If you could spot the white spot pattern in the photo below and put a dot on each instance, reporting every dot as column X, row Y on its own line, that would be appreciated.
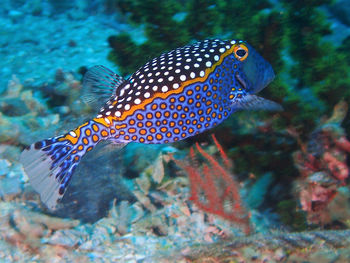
column 170, row 70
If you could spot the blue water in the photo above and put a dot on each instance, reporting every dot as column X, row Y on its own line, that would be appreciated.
column 288, row 171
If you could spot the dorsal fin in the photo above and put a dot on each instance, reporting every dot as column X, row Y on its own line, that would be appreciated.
column 98, row 85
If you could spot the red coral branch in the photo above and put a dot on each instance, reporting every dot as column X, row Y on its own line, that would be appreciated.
column 213, row 188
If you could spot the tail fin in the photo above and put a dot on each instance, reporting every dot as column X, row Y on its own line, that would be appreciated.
column 50, row 163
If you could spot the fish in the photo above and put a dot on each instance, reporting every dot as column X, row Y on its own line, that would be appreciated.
column 176, row 95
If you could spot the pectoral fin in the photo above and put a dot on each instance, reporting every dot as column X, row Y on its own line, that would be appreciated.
column 253, row 102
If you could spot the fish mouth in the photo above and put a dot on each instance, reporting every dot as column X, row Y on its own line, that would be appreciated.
column 241, row 81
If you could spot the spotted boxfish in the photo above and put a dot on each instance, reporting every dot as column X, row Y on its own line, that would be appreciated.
column 176, row 95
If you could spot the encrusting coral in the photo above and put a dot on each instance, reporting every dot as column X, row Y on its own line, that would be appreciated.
column 323, row 168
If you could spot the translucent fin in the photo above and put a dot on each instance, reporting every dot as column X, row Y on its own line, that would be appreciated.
column 253, row 102
column 49, row 166
column 50, row 163
column 98, row 85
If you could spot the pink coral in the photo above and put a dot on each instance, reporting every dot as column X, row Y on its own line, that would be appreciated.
column 322, row 165
column 213, row 188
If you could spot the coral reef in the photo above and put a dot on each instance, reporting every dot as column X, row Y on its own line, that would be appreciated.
column 323, row 170
column 190, row 201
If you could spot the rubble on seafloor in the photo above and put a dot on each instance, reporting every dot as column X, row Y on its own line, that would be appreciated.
column 136, row 206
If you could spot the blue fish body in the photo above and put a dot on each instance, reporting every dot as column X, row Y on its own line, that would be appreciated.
column 174, row 96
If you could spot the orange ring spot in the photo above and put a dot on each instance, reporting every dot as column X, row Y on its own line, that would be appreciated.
column 163, row 106
column 142, row 139
column 150, row 137
column 139, row 116
column 149, row 123
column 176, row 131
column 132, row 122
column 159, row 136
column 132, row 130
column 152, row 130
column 154, row 106
column 95, row 127
column 104, row 133
column 95, row 138
column 80, row 147
column 87, row 132
column 143, row 131
column 189, row 92
column 85, row 141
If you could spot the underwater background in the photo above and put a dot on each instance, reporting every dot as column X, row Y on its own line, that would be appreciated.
column 260, row 187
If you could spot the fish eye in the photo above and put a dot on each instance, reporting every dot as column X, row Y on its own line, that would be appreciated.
column 241, row 52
